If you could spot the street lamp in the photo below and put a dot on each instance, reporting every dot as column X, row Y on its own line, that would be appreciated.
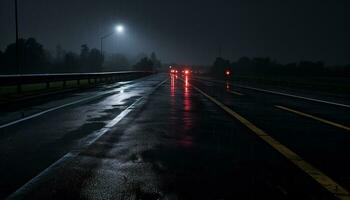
column 119, row 29
column 19, row 88
column 17, row 50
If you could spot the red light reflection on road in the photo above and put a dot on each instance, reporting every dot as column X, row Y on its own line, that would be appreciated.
column 186, row 140
column 228, row 86
column 183, row 123
column 187, row 101
column 172, row 85
column 186, row 85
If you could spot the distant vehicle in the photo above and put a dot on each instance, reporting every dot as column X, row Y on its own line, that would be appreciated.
column 228, row 73
column 173, row 70
column 186, row 72
column 180, row 70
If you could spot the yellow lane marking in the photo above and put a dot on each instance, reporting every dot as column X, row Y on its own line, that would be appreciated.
column 324, row 180
column 314, row 117
column 234, row 92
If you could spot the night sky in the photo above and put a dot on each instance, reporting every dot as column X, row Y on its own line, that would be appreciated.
column 191, row 32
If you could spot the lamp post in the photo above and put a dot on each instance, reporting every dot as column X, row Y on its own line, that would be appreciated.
column 18, row 69
column 119, row 29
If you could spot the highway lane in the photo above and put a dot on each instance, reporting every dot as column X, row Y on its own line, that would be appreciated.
column 338, row 97
column 177, row 144
column 61, row 125
column 325, row 110
column 12, row 113
column 322, row 144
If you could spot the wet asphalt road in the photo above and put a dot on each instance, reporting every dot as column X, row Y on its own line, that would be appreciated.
column 149, row 139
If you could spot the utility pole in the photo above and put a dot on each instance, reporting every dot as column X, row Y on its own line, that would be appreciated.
column 17, row 38
column 17, row 49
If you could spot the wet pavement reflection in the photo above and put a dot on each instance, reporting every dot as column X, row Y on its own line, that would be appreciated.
column 176, row 144
column 228, row 86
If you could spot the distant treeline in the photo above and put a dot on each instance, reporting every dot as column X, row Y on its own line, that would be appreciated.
column 34, row 58
column 267, row 67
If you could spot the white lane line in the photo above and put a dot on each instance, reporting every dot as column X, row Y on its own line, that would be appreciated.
column 294, row 96
column 50, row 110
column 98, row 134
column 313, row 117
column 281, row 93
column 62, row 106
column 58, row 107
column 19, row 193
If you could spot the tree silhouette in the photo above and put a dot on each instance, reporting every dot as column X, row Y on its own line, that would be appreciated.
column 219, row 67
column 60, row 53
column 156, row 62
column 95, row 60
column 84, row 61
column 144, row 64
column 90, row 60
column 71, row 62
column 32, row 57
column 115, row 61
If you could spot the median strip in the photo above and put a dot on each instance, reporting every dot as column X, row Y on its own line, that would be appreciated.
column 314, row 117
column 324, row 180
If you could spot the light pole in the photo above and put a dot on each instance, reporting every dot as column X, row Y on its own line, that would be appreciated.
column 119, row 29
column 16, row 21
column 18, row 69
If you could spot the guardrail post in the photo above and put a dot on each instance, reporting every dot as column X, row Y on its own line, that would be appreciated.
column 78, row 82
column 64, row 84
column 47, row 85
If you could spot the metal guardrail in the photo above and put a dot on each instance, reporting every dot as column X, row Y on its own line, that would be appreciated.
column 92, row 78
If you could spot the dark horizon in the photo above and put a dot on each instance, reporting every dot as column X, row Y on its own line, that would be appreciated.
column 189, row 31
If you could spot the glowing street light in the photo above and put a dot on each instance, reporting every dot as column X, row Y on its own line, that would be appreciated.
column 119, row 29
